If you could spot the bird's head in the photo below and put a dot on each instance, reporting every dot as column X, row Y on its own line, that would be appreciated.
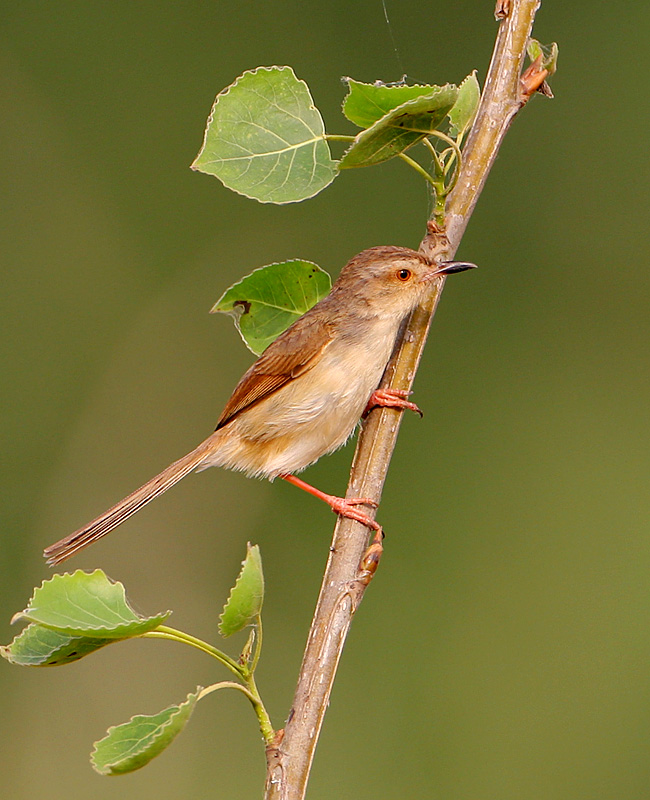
column 391, row 280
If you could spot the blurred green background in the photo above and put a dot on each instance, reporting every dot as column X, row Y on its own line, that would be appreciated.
column 503, row 652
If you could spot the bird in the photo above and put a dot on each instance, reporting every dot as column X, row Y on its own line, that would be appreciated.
column 305, row 394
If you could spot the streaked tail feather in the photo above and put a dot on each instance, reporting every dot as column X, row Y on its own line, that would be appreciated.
column 63, row 549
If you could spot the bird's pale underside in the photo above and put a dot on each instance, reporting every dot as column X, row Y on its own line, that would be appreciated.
column 304, row 395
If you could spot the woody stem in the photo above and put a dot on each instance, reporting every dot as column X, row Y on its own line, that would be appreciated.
column 289, row 761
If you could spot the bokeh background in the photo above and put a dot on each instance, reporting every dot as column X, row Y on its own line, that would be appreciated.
column 504, row 649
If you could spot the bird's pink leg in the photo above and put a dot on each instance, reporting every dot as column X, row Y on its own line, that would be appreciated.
column 390, row 398
column 346, row 507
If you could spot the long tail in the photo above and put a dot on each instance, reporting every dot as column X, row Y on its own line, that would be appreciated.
column 63, row 549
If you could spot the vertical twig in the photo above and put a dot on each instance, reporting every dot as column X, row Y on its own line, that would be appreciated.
column 347, row 574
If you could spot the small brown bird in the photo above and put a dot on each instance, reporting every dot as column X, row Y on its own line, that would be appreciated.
column 304, row 395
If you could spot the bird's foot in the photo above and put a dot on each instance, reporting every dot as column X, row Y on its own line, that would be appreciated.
column 345, row 506
column 348, row 507
column 391, row 398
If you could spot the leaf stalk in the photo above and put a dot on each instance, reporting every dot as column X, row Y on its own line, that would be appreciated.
column 245, row 673
column 173, row 635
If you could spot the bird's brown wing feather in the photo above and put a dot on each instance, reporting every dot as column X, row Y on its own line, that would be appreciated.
column 294, row 352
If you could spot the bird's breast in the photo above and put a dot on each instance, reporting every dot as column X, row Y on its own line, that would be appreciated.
column 313, row 414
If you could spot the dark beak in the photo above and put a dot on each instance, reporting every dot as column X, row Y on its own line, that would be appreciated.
column 449, row 267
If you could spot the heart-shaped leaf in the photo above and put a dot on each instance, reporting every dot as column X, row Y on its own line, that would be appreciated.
column 133, row 744
column 87, row 604
column 266, row 302
column 366, row 103
column 401, row 128
column 265, row 139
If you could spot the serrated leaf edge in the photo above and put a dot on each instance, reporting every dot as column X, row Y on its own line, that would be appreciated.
column 347, row 79
column 215, row 310
column 372, row 85
column 192, row 695
column 67, row 630
column 223, row 93
column 362, row 134
column 235, row 315
column 249, row 547
column 472, row 74
column 5, row 650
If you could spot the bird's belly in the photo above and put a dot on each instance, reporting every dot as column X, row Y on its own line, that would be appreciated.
column 312, row 415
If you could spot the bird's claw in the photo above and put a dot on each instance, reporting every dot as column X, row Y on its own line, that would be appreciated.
column 391, row 398
column 347, row 507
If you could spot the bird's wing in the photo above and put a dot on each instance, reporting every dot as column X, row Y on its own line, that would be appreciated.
column 294, row 352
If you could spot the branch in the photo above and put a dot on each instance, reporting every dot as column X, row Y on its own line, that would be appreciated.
column 348, row 570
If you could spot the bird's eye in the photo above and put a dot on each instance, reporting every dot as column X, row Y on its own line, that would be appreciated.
column 403, row 274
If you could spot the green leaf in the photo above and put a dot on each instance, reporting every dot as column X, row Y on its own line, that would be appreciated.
column 37, row 646
column 401, row 128
column 266, row 302
column 549, row 54
column 129, row 746
column 87, row 604
column 265, row 139
column 246, row 596
column 463, row 112
column 366, row 103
